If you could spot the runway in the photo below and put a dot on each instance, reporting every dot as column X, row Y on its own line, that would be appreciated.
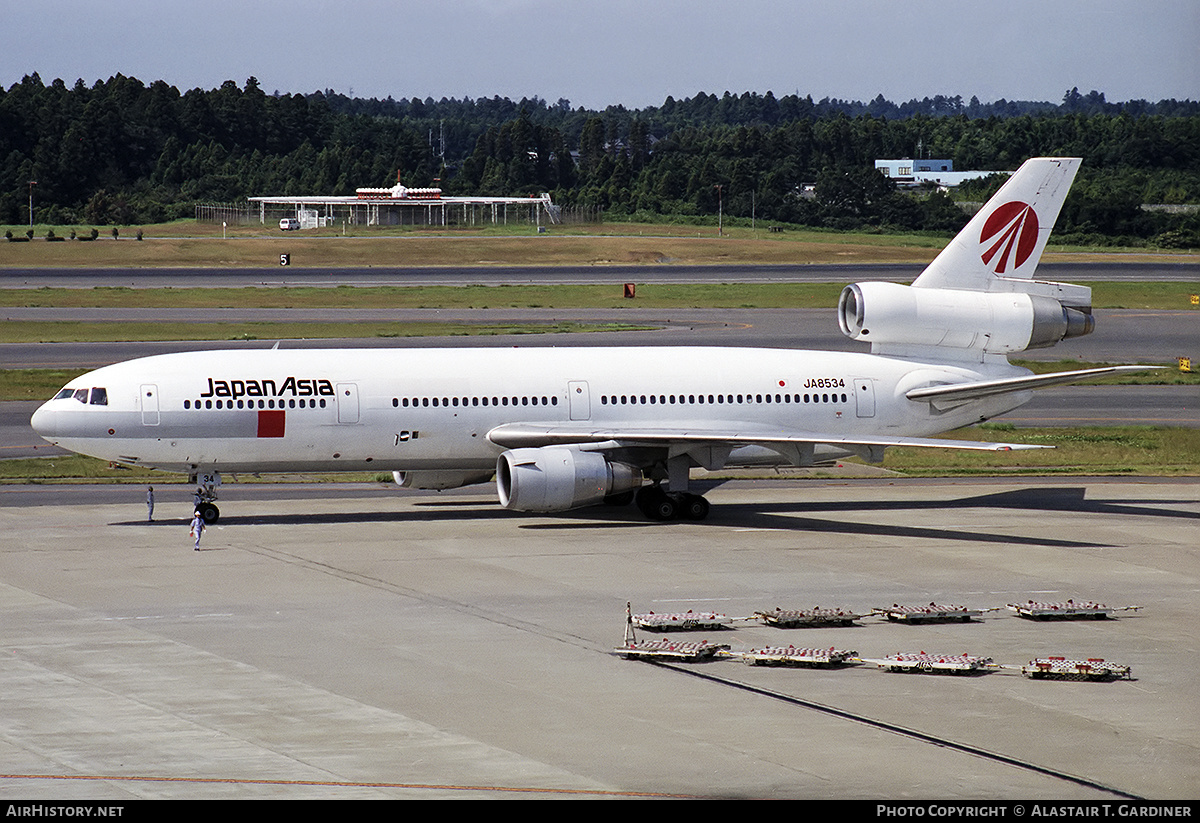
column 376, row 643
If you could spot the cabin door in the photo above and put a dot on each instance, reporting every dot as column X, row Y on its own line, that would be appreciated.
column 578, row 400
column 864, row 397
column 347, row 402
column 149, row 394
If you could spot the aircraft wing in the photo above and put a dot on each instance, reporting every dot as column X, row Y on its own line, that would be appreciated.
column 535, row 435
column 987, row 388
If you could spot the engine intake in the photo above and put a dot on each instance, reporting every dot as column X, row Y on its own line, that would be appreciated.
column 558, row 478
column 890, row 314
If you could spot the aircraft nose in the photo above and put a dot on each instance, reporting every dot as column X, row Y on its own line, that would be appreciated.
column 44, row 421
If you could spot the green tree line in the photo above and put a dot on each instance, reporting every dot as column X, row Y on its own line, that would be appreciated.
column 119, row 152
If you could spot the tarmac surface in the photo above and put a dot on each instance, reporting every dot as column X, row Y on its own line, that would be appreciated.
column 367, row 641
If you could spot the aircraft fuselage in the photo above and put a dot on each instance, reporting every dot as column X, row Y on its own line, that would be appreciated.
column 425, row 409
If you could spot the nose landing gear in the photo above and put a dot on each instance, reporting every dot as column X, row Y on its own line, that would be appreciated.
column 206, row 493
column 209, row 512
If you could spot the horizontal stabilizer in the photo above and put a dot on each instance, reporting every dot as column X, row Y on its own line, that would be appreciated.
column 990, row 388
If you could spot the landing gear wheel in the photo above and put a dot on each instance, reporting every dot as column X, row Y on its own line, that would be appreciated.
column 209, row 512
column 693, row 507
column 656, row 504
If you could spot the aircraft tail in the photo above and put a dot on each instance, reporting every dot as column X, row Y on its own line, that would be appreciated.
column 978, row 297
column 1005, row 239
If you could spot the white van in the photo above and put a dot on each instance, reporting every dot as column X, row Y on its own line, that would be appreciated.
column 289, row 224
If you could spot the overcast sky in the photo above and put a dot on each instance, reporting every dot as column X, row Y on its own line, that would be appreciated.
column 631, row 52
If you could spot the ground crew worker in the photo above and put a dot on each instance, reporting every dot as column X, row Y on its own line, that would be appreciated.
column 197, row 528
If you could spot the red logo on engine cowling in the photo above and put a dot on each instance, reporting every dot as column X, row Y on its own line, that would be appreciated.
column 1012, row 232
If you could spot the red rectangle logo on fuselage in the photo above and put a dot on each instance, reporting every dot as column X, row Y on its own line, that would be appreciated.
column 270, row 423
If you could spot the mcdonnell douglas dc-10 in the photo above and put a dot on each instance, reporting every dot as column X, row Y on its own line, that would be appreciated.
column 561, row 429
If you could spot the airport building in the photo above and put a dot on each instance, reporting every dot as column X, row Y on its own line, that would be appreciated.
column 402, row 206
column 908, row 172
column 398, row 205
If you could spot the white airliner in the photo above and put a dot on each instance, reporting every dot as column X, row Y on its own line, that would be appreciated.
column 565, row 428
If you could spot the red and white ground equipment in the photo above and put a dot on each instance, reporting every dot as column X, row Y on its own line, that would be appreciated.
column 807, row 618
column 1062, row 668
column 682, row 621
column 934, row 663
column 671, row 650
column 791, row 656
column 1070, row 610
column 929, row 614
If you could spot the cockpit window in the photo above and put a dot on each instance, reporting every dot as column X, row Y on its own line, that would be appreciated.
column 96, row 396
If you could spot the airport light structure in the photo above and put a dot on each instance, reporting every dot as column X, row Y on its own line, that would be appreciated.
column 32, row 183
column 720, row 210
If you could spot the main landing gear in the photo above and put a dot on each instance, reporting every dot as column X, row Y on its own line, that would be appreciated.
column 658, row 504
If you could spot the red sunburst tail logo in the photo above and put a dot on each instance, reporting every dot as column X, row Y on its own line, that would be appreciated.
column 1009, row 236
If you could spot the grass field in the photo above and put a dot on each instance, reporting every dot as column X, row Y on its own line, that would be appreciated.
column 551, row 296
column 20, row 331
column 187, row 244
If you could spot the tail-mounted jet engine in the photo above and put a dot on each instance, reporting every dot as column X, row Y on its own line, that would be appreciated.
column 558, row 478
column 999, row 322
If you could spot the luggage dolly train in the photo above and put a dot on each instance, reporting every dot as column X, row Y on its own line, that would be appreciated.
column 1053, row 667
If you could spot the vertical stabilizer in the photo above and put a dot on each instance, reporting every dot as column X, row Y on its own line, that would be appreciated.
column 1004, row 241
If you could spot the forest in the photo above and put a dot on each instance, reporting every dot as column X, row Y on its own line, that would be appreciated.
column 120, row 152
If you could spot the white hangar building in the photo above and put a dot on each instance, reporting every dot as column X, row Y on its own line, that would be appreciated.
column 908, row 172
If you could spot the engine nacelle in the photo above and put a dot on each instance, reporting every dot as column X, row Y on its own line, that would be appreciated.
column 994, row 322
column 440, row 479
column 558, row 478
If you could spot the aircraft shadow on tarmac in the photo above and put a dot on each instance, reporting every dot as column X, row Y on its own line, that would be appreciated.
column 792, row 516
column 789, row 516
